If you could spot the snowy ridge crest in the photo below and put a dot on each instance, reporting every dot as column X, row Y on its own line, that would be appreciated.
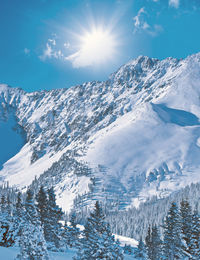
column 131, row 137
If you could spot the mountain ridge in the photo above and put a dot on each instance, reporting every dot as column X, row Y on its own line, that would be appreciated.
column 78, row 137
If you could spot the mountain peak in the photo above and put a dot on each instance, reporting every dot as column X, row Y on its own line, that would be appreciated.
column 105, row 138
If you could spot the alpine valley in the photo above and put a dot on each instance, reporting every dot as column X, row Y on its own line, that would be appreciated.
column 124, row 140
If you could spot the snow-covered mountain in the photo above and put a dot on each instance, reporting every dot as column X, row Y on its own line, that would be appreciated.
column 131, row 137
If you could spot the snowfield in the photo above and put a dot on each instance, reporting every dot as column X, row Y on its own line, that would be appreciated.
column 11, row 252
column 126, row 139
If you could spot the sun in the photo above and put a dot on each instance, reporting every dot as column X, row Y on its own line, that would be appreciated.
column 98, row 45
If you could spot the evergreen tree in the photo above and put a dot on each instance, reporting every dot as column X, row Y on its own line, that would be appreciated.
column 172, row 246
column 32, row 243
column 153, row 243
column 195, row 236
column 141, row 251
column 53, row 225
column 18, row 216
column 71, row 233
column 6, row 223
column 98, row 241
column 19, row 205
column 156, row 244
column 186, row 226
column 42, row 207
column 148, row 242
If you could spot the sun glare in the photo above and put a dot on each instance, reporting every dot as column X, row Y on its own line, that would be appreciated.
column 98, row 45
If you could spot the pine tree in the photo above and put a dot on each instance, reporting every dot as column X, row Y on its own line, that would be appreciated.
column 98, row 241
column 172, row 246
column 141, row 251
column 53, row 225
column 71, row 233
column 195, row 236
column 42, row 207
column 153, row 243
column 32, row 243
column 18, row 216
column 19, row 205
column 148, row 242
column 186, row 226
column 6, row 223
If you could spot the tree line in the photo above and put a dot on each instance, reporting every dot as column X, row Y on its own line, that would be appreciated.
column 34, row 223
column 180, row 239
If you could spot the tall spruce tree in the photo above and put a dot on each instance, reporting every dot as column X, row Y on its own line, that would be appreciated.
column 53, row 225
column 141, row 251
column 19, row 206
column 195, row 236
column 71, row 233
column 148, row 242
column 32, row 242
column 42, row 208
column 156, row 244
column 172, row 246
column 98, row 241
column 186, row 227
column 18, row 215
column 6, row 223
column 153, row 243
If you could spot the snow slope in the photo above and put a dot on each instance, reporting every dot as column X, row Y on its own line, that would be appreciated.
column 131, row 137
column 10, row 254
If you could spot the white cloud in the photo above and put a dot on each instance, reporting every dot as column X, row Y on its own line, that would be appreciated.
column 174, row 3
column 138, row 19
column 140, row 23
column 47, row 53
column 50, row 52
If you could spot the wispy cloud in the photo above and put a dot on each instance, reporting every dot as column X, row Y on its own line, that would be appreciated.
column 141, row 24
column 174, row 3
column 50, row 51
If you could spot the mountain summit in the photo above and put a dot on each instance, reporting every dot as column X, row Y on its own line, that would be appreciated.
column 126, row 139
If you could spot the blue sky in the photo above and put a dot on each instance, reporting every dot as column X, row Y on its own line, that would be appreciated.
column 40, row 39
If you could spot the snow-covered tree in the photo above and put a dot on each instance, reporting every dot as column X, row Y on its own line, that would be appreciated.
column 42, row 208
column 172, row 246
column 148, row 242
column 153, row 243
column 6, row 223
column 156, row 243
column 71, row 233
column 98, row 241
column 186, row 226
column 53, row 225
column 18, row 218
column 195, row 236
column 141, row 251
column 32, row 242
